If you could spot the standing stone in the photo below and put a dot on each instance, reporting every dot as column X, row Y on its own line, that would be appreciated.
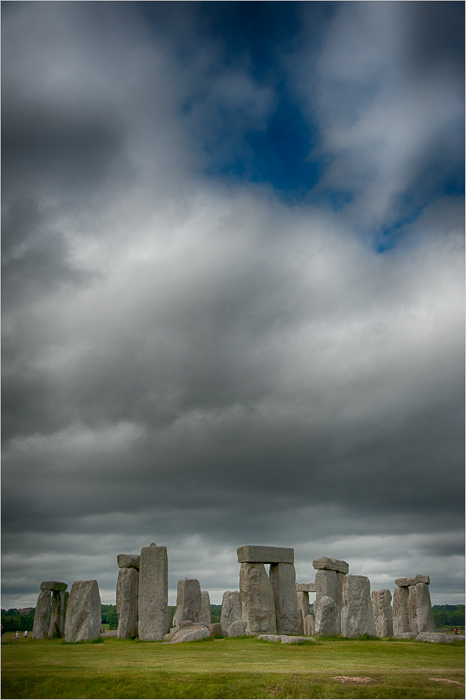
column 400, row 611
column 283, row 579
column 188, row 601
column 382, row 609
column 412, row 609
column 237, row 628
column 206, row 615
column 309, row 626
column 57, row 618
column 357, row 617
column 40, row 628
column 231, row 610
column 329, row 583
column 303, row 608
column 420, row 608
column 257, row 600
column 326, row 617
column 83, row 614
column 127, row 602
column 153, row 593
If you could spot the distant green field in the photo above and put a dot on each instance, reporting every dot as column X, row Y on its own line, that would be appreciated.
column 231, row 668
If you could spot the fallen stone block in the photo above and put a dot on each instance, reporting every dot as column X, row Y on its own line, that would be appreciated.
column 191, row 634
column 331, row 564
column 270, row 637
column 296, row 639
column 439, row 637
column 53, row 586
column 237, row 628
column 127, row 561
column 405, row 635
column 83, row 614
column 256, row 554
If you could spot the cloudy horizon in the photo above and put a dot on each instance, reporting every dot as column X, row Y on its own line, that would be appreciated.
column 233, row 289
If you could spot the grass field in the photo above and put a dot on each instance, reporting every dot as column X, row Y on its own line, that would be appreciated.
column 231, row 668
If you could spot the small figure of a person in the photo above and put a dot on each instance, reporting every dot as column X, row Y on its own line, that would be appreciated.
column 25, row 633
column 17, row 634
column 455, row 631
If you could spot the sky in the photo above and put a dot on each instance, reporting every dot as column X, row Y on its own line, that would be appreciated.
column 233, row 289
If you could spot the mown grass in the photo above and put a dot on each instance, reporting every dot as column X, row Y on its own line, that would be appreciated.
column 231, row 668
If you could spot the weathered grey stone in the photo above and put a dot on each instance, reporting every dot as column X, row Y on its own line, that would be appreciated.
column 405, row 582
column 127, row 561
column 400, row 611
column 309, row 626
column 185, row 623
column 303, row 608
column 188, row 601
column 419, row 601
column 405, row 635
column 40, row 628
column 439, row 638
column 326, row 622
column 306, row 587
column 270, row 637
column 57, row 617
column 53, row 586
column 329, row 583
column 231, row 609
column 205, row 614
column 382, row 609
column 191, row 634
column 127, row 603
column 331, row 564
column 357, row 617
column 294, row 639
column 153, row 593
column 83, row 614
column 412, row 610
column 257, row 600
column 283, row 579
column 255, row 554
column 215, row 629
column 422, row 578
column 237, row 628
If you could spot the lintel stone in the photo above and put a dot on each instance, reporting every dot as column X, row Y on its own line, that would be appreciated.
column 331, row 564
column 53, row 586
column 422, row 578
column 255, row 554
column 406, row 581
column 305, row 587
column 128, row 561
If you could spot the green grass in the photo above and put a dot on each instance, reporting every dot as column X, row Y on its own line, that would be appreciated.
column 231, row 668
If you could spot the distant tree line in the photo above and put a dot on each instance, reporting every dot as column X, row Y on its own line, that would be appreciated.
column 14, row 621
column 448, row 615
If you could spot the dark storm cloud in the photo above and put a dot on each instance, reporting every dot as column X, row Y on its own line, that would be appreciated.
column 189, row 360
